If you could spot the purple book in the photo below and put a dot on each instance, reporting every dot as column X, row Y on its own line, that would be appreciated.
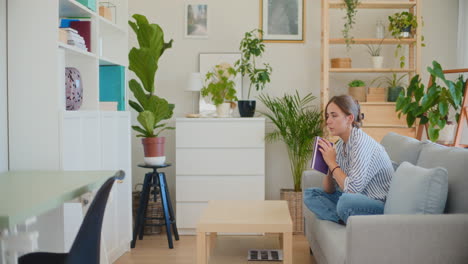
column 318, row 163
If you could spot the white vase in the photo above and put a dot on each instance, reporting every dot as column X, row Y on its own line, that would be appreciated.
column 224, row 110
column 377, row 61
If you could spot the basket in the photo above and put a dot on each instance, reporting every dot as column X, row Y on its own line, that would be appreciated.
column 341, row 63
column 358, row 93
column 294, row 200
column 154, row 209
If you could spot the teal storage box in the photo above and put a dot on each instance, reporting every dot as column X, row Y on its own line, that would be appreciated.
column 91, row 4
column 112, row 85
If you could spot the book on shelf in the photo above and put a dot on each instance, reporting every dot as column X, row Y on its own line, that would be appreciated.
column 318, row 163
column 84, row 30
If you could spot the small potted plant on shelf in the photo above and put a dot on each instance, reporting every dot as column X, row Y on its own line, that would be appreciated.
column 431, row 106
column 374, row 51
column 402, row 25
column 357, row 89
column 394, row 85
column 297, row 124
column 220, row 87
column 152, row 110
column 252, row 47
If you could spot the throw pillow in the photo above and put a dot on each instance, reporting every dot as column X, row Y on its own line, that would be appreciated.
column 416, row 190
column 395, row 165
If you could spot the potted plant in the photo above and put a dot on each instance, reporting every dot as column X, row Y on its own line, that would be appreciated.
column 394, row 85
column 401, row 26
column 357, row 89
column 252, row 47
column 297, row 124
column 350, row 18
column 374, row 51
column 152, row 110
column 431, row 106
column 219, row 85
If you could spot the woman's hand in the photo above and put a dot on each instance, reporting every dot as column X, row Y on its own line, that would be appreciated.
column 328, row 152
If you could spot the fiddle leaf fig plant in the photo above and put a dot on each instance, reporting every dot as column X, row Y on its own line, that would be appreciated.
column 143, row 61
column 431, row 106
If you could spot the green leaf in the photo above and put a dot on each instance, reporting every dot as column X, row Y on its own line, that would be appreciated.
column 433, row 134
column 410, row 120
column 443, row 108
column 147, row 120
column 423, row 120
column 436, row 71
column 135, row 106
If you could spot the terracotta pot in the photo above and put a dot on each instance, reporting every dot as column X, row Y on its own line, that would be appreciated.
column 154, row 150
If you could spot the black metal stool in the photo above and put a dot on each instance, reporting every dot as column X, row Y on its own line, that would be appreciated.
column 157, row 181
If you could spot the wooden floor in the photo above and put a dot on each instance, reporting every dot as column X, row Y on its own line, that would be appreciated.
column 229, row 249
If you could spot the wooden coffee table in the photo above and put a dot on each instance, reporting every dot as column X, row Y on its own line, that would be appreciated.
column 244, row 217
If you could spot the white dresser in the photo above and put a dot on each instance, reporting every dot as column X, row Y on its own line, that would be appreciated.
column 217, row 159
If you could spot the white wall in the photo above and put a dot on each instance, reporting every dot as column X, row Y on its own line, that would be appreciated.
column 3, row 91
column 295, row 66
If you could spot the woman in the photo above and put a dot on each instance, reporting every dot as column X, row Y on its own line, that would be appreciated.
column 360, row 170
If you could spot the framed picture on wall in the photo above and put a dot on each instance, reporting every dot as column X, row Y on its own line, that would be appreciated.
column 196, row 20
column 282, row 20
column 207, row 63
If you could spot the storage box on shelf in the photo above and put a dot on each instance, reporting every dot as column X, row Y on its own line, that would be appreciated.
column 86, row 139
column 413, row 62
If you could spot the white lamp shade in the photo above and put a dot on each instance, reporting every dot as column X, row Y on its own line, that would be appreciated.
column 195, row 83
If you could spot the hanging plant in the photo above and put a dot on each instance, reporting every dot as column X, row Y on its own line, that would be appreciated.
column 350, row 18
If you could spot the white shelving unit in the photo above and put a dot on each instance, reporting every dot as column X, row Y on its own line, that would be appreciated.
column 43, row 135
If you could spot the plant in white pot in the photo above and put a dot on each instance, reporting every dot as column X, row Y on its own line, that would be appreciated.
column 152, row 110
column 220, row 87
column 252, row 47
column 297, row 123
column 375, row 52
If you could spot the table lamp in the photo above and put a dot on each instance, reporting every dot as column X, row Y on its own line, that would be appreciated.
column 194, row 84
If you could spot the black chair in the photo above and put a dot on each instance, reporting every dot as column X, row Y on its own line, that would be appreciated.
column 87, row 245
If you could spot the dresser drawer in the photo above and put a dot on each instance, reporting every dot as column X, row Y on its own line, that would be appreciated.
column 216, row 161
column 381, row 114
column 237, row 133
column 205, row 188
column 378, row 133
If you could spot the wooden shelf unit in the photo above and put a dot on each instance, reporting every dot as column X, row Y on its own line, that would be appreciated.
column 413, row 57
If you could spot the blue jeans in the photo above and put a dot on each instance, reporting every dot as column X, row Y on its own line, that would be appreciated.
column 339, row 206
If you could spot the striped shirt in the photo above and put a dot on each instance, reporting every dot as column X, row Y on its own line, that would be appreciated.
column 366, row 164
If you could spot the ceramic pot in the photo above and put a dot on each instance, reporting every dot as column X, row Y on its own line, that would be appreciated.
column 224, row 110
column 73, row 88
column 377, row 61
column 154, row 150
column 247, row 108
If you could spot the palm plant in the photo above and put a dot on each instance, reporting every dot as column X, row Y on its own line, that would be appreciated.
column 297, row 123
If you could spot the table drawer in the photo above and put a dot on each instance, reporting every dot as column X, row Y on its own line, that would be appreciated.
column 220, row 161
column 205, row 188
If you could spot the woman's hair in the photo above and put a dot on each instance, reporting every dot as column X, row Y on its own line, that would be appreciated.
column 348, row 105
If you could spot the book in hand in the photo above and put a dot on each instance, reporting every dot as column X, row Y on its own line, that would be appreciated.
column 318, row 163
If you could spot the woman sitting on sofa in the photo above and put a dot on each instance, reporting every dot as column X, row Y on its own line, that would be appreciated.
column 360, row 170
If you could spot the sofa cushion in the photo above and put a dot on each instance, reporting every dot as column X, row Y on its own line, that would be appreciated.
column 401, row 148
column 455, row 161
column 416, row 190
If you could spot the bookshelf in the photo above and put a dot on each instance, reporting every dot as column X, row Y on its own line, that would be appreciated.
column 413, row 62
column 43, row 134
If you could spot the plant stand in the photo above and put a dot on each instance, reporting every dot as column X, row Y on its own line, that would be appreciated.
column 294, row 200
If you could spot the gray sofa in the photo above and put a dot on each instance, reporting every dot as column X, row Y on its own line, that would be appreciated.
column 399, row 238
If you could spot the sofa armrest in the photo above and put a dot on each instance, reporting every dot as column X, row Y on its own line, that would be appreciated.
column 311, row 178
column 407, row 239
